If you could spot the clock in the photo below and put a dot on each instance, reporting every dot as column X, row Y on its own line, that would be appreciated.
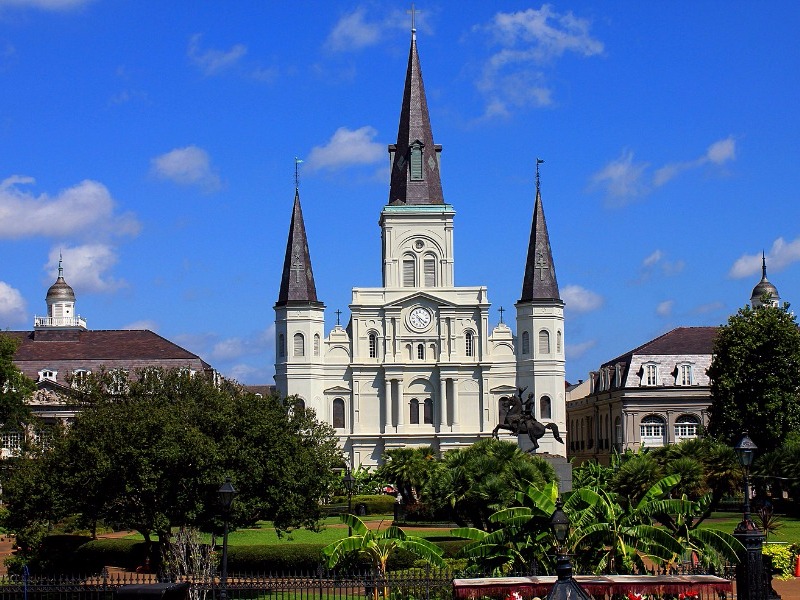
column 420, row 318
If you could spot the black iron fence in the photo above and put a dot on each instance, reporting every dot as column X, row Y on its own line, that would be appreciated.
column 411, row 584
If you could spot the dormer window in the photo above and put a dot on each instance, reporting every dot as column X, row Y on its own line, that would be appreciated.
column 415, row 168
column 48, row 375
column 649, row 374
column 683, row 375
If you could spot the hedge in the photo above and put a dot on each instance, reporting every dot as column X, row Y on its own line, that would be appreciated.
column 274, row 558
column 92, row 556
column 380, row 504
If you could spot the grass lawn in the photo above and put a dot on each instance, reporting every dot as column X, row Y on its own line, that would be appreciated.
column 789, row 532
column 332, row 530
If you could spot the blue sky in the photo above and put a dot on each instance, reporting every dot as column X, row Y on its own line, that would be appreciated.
column 153, row 144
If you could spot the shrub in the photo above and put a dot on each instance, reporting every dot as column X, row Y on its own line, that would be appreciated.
column 380, row 504
column 782, row 559
column 92, row 556
column 274, row 558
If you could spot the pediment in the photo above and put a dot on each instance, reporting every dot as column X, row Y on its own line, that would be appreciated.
column 337, row 389
column 416, row 297
column 504, row 389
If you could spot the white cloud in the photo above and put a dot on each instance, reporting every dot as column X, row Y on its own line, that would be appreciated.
column 664, row 309
column 353, row 32
column 653, row 258
column 621, row 179
column 212, row 61
column 581, row 300
column 44, row 4
column 84, row 209
column 12, row 305
column 578, row 350
column 143, row 324
column 86, row 267
column 722, row 151
column 718, row 153
column 347, row 147
column 515, row 75
column 709, row 307
column 657, row 260
column 781, row 255
column 187, row 166
column 237, row 347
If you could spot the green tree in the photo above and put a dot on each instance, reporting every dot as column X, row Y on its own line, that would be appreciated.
column 153, row 457
column 407, row 469
column 755, row 377
column 15, row 388
column 474, row 482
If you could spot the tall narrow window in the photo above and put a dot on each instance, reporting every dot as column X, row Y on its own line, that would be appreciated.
column 416, row 162
column 299, row 345
column 414, row 418
column 545, row 408
column 686, row 427
column 526, row 343
column 429, row 271
column 421, row 351
column 338, row 413
column 281, row 345
column 558, row 342
column 502, row 410
column 409, row 272
column 373, row 345
column 650, row 376
column 684, row 375
column 469, row 344
column 316, row 344
column 427, row 416
column 544, row 342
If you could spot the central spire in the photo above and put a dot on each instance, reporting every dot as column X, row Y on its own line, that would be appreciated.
column 297, row 283
column 540, row 273
column 415, row 157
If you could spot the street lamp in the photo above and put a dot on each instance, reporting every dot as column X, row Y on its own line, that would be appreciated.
column 750, row 571
column 226, row 494
column 565, row 587
column 348, row 481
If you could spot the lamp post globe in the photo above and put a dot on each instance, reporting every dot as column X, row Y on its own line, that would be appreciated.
column 565, row 587
column 750, row 570
column 226, row 493
column 348, row 481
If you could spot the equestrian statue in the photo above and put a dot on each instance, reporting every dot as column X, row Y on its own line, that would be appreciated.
column 520, row 419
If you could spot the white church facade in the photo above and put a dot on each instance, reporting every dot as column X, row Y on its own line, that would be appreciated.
column 419, row 363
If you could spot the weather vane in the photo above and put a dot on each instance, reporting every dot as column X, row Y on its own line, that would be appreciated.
column 538, row 162
column 297, row 162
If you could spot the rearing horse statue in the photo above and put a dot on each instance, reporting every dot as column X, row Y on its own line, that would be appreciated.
column 519, row 419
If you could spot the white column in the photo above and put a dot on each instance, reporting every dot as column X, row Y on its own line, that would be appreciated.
column 387, row 405
column 442, row 403
column 456, row 407
column 401, row 405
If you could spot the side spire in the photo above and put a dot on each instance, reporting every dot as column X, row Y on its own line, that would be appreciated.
column 414, row 158
column 540, row 272
column 297, row 281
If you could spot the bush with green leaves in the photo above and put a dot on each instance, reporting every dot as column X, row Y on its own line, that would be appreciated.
column 782, row 559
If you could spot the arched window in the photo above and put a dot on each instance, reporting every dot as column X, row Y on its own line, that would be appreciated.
column 316, row 344
column 80, row 377
column 48, row 374
column 421, row 351
column 684, row 375
column 545, row 408
column 469, row 350
column 652, row 431
column 544, row 342
column 299, row 345
column 281, row 345
column 338, row 413
column 558, row 342
column 409, row 271
column 414, row 419
column 373, row 345
column 427, row 416
column 429, row 270
column 686, row 427
column 299, row 404
column 502, row 410
column 526, row 343
column 650, row 374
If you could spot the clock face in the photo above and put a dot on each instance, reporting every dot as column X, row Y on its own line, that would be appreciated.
column 420, row 318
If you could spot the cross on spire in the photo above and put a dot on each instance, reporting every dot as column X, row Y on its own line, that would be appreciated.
column 297, row 161
column 538, row 162
column 502, row 310
column 338, row 314
column 413, row 12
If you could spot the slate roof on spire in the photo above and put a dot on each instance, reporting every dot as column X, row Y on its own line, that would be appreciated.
column 764, row 286
column 297, row 282
column 415, row 126
column 540, row 272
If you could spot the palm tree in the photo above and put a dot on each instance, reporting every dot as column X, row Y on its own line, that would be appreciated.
column 378, row 545
column 408, row 469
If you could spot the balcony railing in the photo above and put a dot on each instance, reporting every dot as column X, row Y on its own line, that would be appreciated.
column 59, row 322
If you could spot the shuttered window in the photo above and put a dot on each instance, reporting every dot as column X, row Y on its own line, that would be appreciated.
column 526, row 343
column 416, row 163
column 544, row 342
column 468, row 343
column 409, row 272
column 299, row 345
column 429, row 268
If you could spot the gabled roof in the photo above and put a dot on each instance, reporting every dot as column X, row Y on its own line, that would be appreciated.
column 415, row 127
column 297, row 281
column 681, row 340
column 112, row 345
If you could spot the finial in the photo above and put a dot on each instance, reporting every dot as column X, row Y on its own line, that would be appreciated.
column 297, row 161
column 413, row 12
column 338, row 314
column 502, row 310
column 763, row 265
column 60, row 268
column 538, row 162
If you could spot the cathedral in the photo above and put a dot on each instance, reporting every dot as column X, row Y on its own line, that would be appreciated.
column 419, row 363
